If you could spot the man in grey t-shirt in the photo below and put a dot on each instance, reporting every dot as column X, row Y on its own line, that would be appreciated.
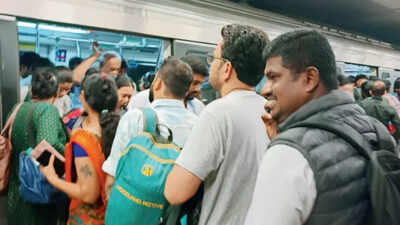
column 225, row 147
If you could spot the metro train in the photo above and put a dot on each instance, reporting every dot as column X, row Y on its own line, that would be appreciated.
column 146, row 31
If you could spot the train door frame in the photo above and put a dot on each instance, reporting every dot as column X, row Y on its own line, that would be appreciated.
column 9, row 65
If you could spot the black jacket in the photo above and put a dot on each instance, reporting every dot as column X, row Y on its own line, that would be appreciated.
column 339, row 170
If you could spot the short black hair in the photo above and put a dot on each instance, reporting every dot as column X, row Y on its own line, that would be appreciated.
column 42, row 62
column 147, row 79
column 361, row 76
column 388, row 85
column 109, row 123
column 303, row 48
column 396, row 84
column 242, row 46
column 373, row 78
column 378, row 88
column 29, row 59
column 198, row 65
column 352, row 78
column 44, row 83
column 100, row 92
column 64, row 76
column 343, row 80
column 365, row 88
column 177, row 76
column 61, row 68
column 122, row 81
column 124, row 65
column 74, row 62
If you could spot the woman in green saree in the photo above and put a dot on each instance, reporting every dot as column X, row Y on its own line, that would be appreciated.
column 35, row 121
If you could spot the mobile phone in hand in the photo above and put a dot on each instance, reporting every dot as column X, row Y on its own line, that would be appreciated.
column 59, row 165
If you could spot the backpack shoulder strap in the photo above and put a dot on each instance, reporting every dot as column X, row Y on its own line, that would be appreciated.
column 343, row 130
column 151, row 124
column 149, row 120
column 384, row 141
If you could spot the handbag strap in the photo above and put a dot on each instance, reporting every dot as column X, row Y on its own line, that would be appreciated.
column 10, row 122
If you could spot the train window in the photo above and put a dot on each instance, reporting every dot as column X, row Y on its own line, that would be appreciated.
column 355, row 69
column 60, row 43
column 185, row 48
column 385, row 76
column 389, row 74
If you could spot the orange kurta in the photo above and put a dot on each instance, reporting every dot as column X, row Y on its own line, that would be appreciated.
column 80, row 212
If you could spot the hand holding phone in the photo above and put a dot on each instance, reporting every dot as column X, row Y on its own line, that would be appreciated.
column 271, row 125
column 49, row 171
column 42, row 154
column 97, row 51
column 59, row 165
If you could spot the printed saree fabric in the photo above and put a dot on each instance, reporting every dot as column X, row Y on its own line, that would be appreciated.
column 81, row 213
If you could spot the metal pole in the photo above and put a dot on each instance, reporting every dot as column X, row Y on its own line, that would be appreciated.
column 78, row 48
column 37, row 41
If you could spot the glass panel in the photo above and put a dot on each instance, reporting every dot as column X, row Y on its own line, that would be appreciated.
column 354, row 69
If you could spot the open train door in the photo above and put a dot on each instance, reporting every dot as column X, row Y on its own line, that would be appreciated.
column 9, row 80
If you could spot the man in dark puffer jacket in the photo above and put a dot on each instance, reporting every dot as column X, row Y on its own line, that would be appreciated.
column 309, row 176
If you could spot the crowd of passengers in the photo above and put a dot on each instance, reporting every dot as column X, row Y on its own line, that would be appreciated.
column 242, row 160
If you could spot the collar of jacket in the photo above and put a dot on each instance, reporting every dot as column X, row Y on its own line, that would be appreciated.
column 332, row 99
column 377, row 98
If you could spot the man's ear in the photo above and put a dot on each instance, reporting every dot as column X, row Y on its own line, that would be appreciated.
column 311, row 78
column 157, row 83
column 228, row 71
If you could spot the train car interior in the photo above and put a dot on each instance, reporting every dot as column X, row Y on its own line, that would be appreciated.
column 60, row 43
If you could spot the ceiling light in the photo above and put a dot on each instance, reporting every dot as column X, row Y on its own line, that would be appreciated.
column 53, row 28
column 26, row 24
column 62, row 29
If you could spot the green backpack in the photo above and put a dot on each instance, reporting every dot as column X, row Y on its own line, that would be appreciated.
column 383, row 171
column 137, row 197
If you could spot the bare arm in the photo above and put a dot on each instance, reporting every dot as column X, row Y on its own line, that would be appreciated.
column 79, row 72
column 181, row 185
column 87, row 187
column 109, row 183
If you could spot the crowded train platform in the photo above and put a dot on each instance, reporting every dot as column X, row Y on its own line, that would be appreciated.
column 198, row 113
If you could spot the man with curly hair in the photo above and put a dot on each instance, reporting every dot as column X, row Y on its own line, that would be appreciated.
column 226, row 145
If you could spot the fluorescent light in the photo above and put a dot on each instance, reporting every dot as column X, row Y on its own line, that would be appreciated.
column 53, row 27
column 26, row 24
column 62, row 29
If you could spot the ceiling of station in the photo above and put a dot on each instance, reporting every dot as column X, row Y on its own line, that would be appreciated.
column 376, row 19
